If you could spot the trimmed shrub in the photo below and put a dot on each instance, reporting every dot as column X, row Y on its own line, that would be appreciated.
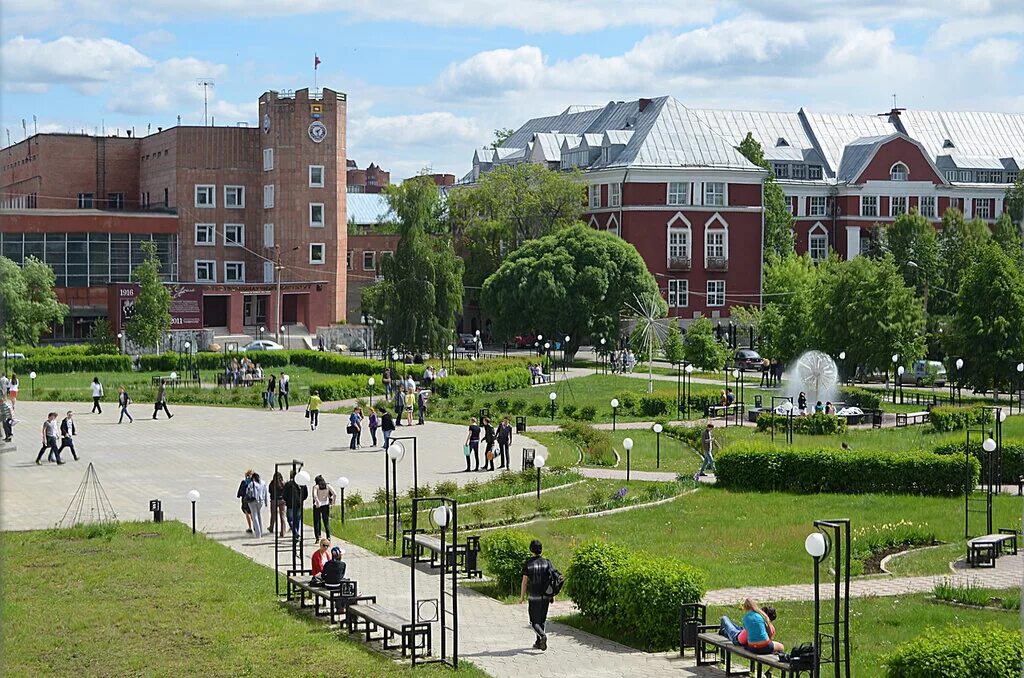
column 652, row 405
column 688, row 434
column 959, row 651
column 1013, row 458
column 63, row 363
column 484, row 382
column 818, row 424
column 587, row 413
column 863, row 398
column 569, row 411
column 504, row 552
column 949, row 418
column 471, row 367
column 764, row 468
column 536, row 410
column 596, row 443
column 333, row 363
column 631, row 590
column 341, row 388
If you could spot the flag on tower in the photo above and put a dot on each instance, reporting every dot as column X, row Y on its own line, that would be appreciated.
column 316, row 61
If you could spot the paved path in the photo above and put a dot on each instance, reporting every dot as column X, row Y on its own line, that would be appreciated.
column 620, row 474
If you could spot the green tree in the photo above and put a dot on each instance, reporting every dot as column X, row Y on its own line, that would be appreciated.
column 28, row 303
column 914, row 245
column 150, row 316
column 778, row 221
column 1008, row 236
column 864, row 307
column 672, row 347
column 789, row 283
column 421, row 292
column 702, row 349
column 501, row 135
column 959, row 245
column 1014, row 201
column 575, row 282
column 102, row 336
column 988, row 327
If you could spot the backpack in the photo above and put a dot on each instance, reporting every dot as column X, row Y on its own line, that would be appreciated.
column 251, row 493
column 556, row 580
column 800, row 657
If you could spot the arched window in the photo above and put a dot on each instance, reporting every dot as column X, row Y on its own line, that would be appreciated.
column 716, row 244
column 817, row 242
column 613, row 225
column 678, row 240
column 898, row 172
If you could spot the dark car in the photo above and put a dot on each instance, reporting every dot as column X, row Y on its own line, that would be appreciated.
column 467, row 342
column 748, row 359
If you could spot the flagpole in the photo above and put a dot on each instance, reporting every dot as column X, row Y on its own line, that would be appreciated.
column 315, row 64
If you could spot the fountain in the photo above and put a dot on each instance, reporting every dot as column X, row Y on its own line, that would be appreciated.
column 815, row 374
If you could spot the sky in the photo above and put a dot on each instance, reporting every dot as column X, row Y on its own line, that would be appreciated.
column 428, row 81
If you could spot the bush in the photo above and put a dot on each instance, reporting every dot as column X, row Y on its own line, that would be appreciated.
column 64, row 363
column 536, row 410
column 764, row 468
column 504, row 552
column 1013, row 458
column 518, row 406
column 623, row 589
column 652, row 405
column 501, row 404
column 588, row 413
column 627, row 401
column 446, row 488
column 818, row 424
column 949, row 418
column 484, row 382
column 353, row 499
column 341, row 388
column 959, row 651
column 568, row 411
column 688, row 434
column 596, row 443
column 862, row 398
column 332, row 363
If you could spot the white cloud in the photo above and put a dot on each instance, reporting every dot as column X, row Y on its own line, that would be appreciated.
column 435, row 128
column 68, row 60
column 996, row 53
column 155, row 38
column 488, row 73
column 169, row 87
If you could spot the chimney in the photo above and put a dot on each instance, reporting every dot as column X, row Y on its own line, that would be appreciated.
column 643, row 104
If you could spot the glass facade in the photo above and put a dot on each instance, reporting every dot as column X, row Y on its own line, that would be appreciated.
column 91, row 259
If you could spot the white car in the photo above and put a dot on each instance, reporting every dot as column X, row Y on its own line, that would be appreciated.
column 263, row 345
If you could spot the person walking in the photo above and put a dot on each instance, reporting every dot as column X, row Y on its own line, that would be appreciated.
column 268, row 395
column 161, row 400
column 323, row 498
column 421, row 404
column 410, row 403
column 399, row 403
column 123, row 400
column 294, row 496
column 473, row 442
column 5, row 384
column 6, row 417
column 386, row 379
column 277, row 504
column 537, row 575
column 374, row 424
column 489, row 439
column 708, row 442
column 283, row 386
column 504, row 436
column 313, row 410
column 67, row 433
column 354, row 423
column 12, row 388
column 97, row 393
column 387, row 426
column 258, row 497
column 49, row 440
column 240, row 494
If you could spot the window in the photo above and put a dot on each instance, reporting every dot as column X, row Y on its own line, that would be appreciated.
column 234, row 235
column 982, row 208
column 316, row 214
column 956, row 204
column 716, row 243
column 349, row 260
column 714, row 193
column 206, row 195
column 869, row 205
column 85, row 201
column 268, row 196
column 817, row 206
column 678, row 247
column 678, row 293
column 268, row 159
column 614, row 195
column 781, row 170
column 817, row 243
column 678, row 193
column 268, row 271
column 799, row 171
column 594, row 191
column 234, row 197
column 716, row 293
column 206, row 271
column 926, row 206
column 316, row 176
column 115, row 201
column 898, row 172
column 206, row 234
column 789, row 203
column 370, row 261
column 814, row 171
column 897, row 205
column 234, row 271
column 268, row 235
column 316, row 253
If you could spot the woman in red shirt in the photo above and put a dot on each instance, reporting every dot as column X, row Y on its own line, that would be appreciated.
column 321, row 556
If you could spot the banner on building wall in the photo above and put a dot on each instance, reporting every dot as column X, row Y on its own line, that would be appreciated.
column 186, row 305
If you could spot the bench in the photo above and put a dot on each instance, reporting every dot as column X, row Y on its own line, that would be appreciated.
column 175, row 382
column 541, row 379
column 983, row 551
column 338, row 598
column 724, row 410
column 460, row 556
column 369, row 617
column 703, row 638
column 908, row 418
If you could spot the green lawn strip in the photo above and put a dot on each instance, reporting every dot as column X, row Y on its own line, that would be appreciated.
column 934, row 560
column 152, row 599
column 750, row 539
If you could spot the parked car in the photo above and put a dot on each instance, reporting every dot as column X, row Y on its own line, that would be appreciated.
column 263, row 345
column 748, row 359
column 925, row 373
column 467, row 342
column 524, row 341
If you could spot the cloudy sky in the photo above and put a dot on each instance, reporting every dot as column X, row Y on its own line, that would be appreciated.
column 429, row 80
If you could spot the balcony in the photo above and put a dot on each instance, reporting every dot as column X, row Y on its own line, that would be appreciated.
column 716, row 264
column 679, row 263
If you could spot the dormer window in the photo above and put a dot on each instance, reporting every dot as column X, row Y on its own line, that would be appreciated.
column 948, row 144
column 898, row 172
column 781, row 142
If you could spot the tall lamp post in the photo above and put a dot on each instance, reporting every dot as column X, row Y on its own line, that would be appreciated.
column 615, row 410
column 1020, row 388
column 342, row 484
column 565, row 353
column 959, row 381
column 369, row 386
column 899, row 380
column 552, row 397
column 32, row 376
column 120, row 340
column 895, row 378
column 538, row 463
column 395, row 453
column 842, row 367
column 688, row 388
column 193, row 496
column 628, row 444
column 831, row 537
column 658, row 428
column 603, row 357
column 547, row 356
column 451, row 356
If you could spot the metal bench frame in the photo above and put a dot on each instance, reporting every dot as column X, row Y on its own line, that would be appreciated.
column 464, row 557
column 338, row 598
column 362, row 620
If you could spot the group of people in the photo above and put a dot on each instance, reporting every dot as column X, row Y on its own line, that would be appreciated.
column 622, row 362
column 756, row 632
column 771, row 373
column 491, row 436
column 285, row 500
column 819, row 408
column 51, row 432
column 279, row 386
column 8, row 399
column 243, row 372
column 537, row 374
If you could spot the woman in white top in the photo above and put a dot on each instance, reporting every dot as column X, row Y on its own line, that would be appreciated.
column 323, row 497
column 97, row 393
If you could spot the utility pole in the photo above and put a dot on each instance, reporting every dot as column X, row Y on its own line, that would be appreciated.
column 206, row 84
column 278, row 269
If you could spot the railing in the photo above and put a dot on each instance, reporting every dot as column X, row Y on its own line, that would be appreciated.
column 679, row 263
column 716, row 264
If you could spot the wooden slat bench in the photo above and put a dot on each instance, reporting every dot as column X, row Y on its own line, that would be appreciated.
column 720, row 648
column 369, row 617
column 337, row 598
column 908, row 418
column 983, row 551
column 463, row 556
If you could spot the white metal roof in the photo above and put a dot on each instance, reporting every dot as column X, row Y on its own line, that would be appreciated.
column 367, row 209
column 833, row 131
column 974, row 135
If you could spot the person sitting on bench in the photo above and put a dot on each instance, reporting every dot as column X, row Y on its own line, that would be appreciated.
column 334, row 569
column 757, row 630
column 321, row 557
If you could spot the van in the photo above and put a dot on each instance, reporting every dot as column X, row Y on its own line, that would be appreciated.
column 925, row 373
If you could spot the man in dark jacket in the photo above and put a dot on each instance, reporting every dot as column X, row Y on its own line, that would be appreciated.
column 161, row 400
column 67, row 431
column 537, row 573
column 295, row 496
column 334, row 570
column 387, row 425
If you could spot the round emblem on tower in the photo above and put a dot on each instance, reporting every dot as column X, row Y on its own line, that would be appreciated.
column 317, row 131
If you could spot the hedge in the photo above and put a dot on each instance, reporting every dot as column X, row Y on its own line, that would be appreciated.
column 764, row 468
column 63, row 363
column 596, row 443
column 485, row 382
column 333, row 363
column 818, row 424
column 632, row 591
column 143, row 395
column 959, row 651
column 863, row 398
column 504, row 552
column 660, row 404
column 340, row 388
column 949, row 418
column 1013, row 458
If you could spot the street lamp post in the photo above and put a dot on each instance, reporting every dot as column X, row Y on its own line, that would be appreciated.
column 552, row 396
column 738, row 404
column 628, row 444
column 842, row 367
column 451, row 357
column 32, row 376
column 120, row 340
column 899, row 380
column 959, row 381
column 342, row 484
column 547, row 356
column 538, row 463
column 1020, row 388
column 658, row 428
column 615, row 410
column 193, row 496
column 603, row 357
column 565, row 353
column 395, row 453
column 895, row 378
column 689, row 388
column 369, row 385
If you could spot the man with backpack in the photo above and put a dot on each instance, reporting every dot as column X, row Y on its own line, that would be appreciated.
column 543, row 582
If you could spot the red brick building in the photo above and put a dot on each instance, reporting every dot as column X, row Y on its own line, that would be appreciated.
column 370, row 180
column 246, row 215
column 669, row 179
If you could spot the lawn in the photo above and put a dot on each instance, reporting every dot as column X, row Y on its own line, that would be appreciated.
column 750, row 539
column 146, row 599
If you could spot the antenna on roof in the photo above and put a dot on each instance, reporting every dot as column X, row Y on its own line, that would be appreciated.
column 205, row 84
column 895, row 112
